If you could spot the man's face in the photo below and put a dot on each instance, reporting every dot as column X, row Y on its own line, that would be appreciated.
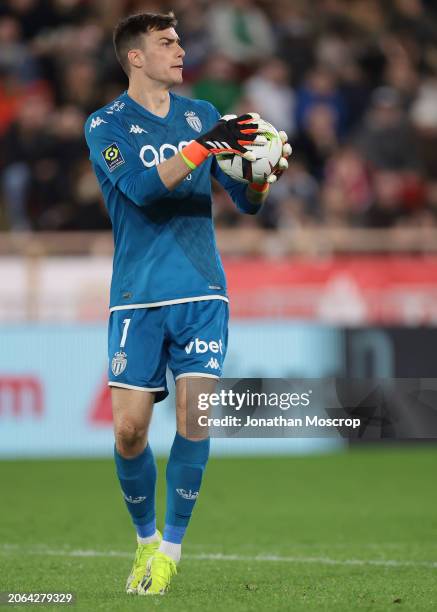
column 162, row 57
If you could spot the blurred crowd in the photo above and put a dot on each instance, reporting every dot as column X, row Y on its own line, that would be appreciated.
column 352, row 82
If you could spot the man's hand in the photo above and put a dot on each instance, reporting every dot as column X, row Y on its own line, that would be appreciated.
column 229, row 135
column 257, row 193
column 282, row 163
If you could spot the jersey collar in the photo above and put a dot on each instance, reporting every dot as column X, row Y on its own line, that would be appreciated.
column 151, row 116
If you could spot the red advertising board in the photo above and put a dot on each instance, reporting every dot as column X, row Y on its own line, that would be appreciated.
column 344, row 290
column 21, row 396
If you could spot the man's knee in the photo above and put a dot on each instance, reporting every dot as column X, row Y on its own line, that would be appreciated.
column 132, row 413
column 130, row 437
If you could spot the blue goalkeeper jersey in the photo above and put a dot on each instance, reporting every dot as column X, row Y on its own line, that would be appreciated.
column 164, row 244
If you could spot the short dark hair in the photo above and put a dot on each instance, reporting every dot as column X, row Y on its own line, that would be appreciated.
column 128, row 31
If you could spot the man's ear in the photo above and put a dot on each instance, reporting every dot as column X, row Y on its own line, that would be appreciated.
column 136, row 58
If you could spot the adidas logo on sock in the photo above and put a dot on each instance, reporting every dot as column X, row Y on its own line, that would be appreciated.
column 133, row 500
column 187, row 494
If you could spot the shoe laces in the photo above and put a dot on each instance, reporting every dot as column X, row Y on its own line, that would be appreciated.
column 141, row 552
column 140, row 565
column 165, row 568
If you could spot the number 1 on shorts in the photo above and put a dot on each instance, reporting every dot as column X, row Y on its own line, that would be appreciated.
column 126, row 323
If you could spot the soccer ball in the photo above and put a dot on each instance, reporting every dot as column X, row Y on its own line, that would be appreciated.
column 267, row 154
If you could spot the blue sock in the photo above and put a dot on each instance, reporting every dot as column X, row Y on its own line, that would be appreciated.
column 185, row 469
column 137, row 478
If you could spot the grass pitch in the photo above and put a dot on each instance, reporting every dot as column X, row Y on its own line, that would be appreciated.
column 342, row 532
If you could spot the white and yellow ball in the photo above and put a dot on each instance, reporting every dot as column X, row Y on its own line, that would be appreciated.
column 267, row 149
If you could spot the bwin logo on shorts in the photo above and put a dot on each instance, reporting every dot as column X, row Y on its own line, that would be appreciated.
column 119, row 363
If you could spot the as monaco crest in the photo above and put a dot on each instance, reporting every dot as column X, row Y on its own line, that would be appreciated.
column 119, row 363
column 193, row 121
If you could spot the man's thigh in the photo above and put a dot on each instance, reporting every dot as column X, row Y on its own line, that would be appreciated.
column 188, row 392
column 198, row 338
column 198, row 334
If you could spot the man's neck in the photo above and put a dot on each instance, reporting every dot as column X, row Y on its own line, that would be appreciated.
column 155, row 98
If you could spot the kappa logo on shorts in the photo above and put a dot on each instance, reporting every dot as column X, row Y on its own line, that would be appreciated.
column 113, row 157
column 119, row 363
column 213, row 364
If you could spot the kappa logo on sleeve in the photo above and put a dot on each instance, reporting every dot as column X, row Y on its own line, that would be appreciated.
column 113, row 157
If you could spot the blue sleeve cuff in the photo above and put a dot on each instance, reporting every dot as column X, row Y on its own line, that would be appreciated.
column 238, row 194
column 236, row 190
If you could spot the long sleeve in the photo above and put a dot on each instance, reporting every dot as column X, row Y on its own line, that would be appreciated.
column 112, row 153
column 237, row 191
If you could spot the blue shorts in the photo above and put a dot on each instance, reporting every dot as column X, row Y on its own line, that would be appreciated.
column 190, row 338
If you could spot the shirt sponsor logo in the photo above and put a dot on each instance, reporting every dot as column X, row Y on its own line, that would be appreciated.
column 200, row 346
column 113, row 157
column 193, row 121
column 152, row 157
column 95, row 122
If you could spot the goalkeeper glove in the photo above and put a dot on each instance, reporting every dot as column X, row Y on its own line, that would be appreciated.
column 282, row 163
column 258, row 192
column 229, row 135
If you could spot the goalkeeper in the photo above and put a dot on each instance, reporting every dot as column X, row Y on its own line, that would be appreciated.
column 153, row 153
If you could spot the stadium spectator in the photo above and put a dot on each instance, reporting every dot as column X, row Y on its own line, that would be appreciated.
column 386, row 138
column 33, row 15
column 295, row 201
column 335, row 209
column 293, row 29
column 241, row 31
column 79, row 85
column 320, row 89
column 194, row 32
column 386, row 210
column 11, row 94
column 271, row 95
column 347, row 171
column 356, row 87
column 219, row 83
column 15, row 56
column 318, row 139
column 28, row 161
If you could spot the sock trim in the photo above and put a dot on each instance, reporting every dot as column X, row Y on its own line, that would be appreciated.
column 146, row 530
column 174, row 533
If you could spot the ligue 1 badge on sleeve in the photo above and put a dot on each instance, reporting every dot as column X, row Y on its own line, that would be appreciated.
column 112, row 156
column 193, row 121
column 119, row 363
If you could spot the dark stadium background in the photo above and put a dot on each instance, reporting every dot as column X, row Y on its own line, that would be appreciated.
column 336, row 277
